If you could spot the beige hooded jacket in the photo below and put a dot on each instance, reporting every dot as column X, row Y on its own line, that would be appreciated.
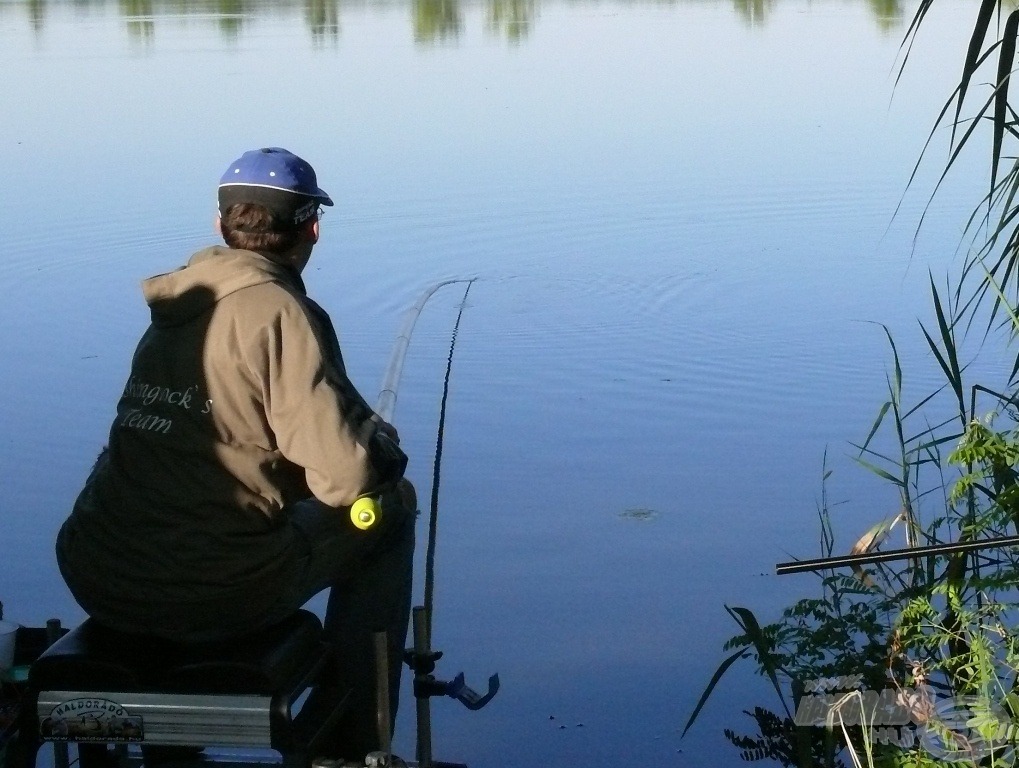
column 237, row 405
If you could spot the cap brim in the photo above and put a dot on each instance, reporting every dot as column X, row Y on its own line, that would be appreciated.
column 288, row 209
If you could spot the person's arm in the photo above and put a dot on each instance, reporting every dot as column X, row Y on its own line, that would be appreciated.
column 317, row 416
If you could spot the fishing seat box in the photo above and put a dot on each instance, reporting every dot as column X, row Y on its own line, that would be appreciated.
column 96, row 687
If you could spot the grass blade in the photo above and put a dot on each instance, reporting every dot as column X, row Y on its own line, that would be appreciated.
column 741, row 653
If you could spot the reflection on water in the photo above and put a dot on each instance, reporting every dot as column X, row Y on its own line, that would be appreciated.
column 888, row 13
column 511, row 18
column 436, row 20
column 36, row 12
column 754, row 12
column 433, row 21
column 323, row 18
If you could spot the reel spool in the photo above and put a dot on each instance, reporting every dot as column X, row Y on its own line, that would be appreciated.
column 364, row 512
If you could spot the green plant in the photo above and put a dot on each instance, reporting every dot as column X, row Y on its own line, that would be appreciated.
column 943, row 625
column 929, row 629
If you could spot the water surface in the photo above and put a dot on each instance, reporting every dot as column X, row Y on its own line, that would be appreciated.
column 680, row 215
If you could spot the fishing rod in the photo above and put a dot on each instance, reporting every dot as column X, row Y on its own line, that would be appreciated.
column 365, row 510
column 433, row 518
column 843, row 561
column 386, row 404
column 421, row 658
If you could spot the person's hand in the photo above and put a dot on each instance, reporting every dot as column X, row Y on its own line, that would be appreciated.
column 388, row 430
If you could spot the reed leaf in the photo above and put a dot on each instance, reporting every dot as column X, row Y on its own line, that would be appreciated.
column 976, row 42
column 992, row 285
column 955, row 153
column 880, row 472
column 875, row 535
column 761, row 644
column 949, row 361
column 952, row 438
column 876, row 425
column 895, row 391
column 929, row 430
column 873, row 538
column 916, row 408
column 722, row 668
column 874, row 453
column 1003, row 271
column 898, row 363
column 907, row 40
column 1005, row 58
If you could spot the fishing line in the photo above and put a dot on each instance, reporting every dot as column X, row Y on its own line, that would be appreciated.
column 433, row 517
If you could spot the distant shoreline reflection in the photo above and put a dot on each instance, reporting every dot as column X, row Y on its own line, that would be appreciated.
column 432, row 21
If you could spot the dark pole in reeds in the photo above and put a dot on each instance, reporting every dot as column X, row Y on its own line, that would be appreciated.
column 846, row 561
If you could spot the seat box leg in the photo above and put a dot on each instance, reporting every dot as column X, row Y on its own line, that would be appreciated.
column 96, row 756
column 22, row 751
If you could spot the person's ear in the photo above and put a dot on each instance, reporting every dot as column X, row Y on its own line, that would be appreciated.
column 218, row 225
column 313, row 231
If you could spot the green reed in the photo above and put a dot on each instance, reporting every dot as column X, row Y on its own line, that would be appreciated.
column 916, row 662
column 942, row 624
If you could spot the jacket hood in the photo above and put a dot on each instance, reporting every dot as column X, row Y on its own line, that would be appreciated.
column 211, row 274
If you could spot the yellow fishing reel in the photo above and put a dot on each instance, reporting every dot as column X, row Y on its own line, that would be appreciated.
column 365, row 512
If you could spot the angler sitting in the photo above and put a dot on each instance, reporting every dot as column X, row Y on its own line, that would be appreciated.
column 220, row 504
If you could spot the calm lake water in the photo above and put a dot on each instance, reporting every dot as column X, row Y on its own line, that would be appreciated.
column 680, row 215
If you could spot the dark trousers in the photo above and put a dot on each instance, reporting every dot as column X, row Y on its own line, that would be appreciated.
column 369, row 576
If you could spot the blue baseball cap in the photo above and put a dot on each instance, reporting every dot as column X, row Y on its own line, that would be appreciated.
column 276, row 178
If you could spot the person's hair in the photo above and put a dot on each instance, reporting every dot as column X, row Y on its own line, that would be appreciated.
column 253, row 228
